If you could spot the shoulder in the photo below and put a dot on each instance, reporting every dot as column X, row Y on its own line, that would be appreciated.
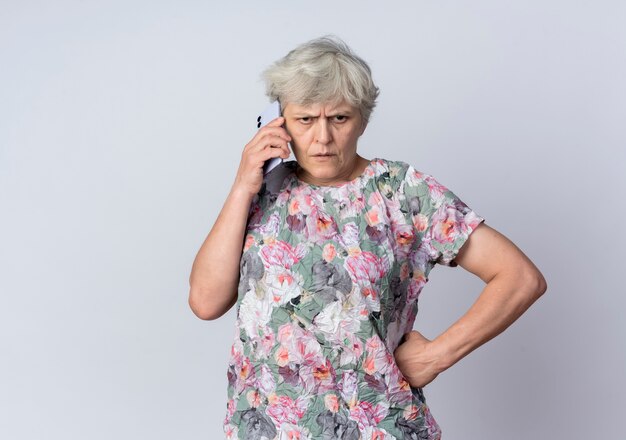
column 403, row 176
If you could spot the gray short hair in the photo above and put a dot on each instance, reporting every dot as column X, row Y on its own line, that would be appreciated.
column 322, row 70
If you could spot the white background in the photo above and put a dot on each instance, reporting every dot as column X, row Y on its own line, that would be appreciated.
column 121, row 129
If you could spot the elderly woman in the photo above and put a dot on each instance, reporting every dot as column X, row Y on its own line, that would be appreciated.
column 325, row 258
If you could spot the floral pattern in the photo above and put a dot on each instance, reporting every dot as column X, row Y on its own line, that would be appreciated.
column 329, row 283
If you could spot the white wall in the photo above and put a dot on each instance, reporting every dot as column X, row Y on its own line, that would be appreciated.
column 121, row 127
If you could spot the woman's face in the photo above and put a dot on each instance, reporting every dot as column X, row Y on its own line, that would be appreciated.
column 324, row 140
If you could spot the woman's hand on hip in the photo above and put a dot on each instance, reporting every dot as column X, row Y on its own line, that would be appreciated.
column 270, row 141
column 417, row 359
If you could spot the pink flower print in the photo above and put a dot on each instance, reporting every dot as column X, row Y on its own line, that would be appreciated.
column 293, row 207
column 249, row 242
column 436, row 189
column 373, row 344
column 285, row 333
column 375, row 199
column 283, row 409
column 348, row 387
column 417, row 175
column 373, row 216
column 416, row 284
column 303, row 347
column 352, row 351
column 331, row 402
column 420, row 222
column 254, row 398
column 242, row 375
column 324, row 375
column 365, row 414
column 282, row 254
column 231, row 431
column 411, row 412
column 267, row 341
column 368, row 365
column 301, row 201
column 349, row 202
column 231, row 407
column 349, row 237
column 246, row 373
column 446, row 223
column 271, row 227
column 377, row 362
column 293, row 432
column 282, row 356
column 307, row 383
column 282, row 286
column 236, row 350
column 308, row 351
column 403, row 234
column 329, row 252
column 405, row 270
column 398, row 388
column 365, row 267
column 320, row 226
column 266, row 382
column 378, row 359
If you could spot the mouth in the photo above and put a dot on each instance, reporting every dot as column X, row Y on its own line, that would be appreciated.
column 323, row 155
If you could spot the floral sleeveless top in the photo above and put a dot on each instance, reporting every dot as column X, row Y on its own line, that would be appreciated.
column 329, row 282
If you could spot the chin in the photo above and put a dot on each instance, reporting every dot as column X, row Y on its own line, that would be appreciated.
column 324, row 171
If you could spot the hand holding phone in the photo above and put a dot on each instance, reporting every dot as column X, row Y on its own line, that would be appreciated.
column 270, row 113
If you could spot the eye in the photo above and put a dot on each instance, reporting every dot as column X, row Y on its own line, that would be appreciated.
column 340, row 118
column 305, row 120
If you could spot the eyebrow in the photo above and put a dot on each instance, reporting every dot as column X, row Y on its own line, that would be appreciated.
column 339, row 111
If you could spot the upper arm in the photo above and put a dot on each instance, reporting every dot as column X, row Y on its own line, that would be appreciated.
column 487, row 252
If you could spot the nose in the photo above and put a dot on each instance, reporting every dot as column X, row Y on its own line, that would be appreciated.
column 323, row 135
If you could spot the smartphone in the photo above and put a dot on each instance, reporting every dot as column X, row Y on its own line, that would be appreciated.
column 270, row 113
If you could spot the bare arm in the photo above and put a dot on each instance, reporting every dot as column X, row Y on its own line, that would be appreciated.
column 513, row 284
column 215, row 271
column 214, row 274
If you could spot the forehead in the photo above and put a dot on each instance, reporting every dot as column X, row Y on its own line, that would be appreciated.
column 316, row 108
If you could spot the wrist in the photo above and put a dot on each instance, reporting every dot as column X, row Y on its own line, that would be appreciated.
column 443, row 355
column 240, row 193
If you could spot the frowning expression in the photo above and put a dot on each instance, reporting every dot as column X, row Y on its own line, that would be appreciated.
column 324, row 140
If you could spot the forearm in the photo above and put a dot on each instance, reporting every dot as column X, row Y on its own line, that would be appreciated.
column 215, row 271
column 502, row 301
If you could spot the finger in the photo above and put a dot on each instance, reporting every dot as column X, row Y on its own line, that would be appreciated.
column 270, row 141
column 265, row 132
column 275, row 152
column 276, row 131
column 263, row 156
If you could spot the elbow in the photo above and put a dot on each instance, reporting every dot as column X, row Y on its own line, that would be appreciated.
column 537, row 284
column 204, row 309
column 540, row 282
